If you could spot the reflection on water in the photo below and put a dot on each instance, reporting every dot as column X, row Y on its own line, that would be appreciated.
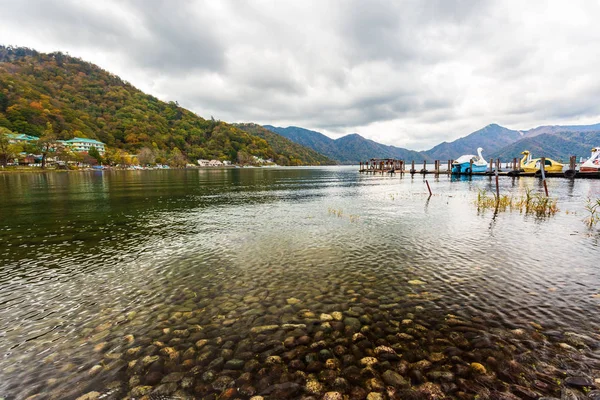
column 235, row 283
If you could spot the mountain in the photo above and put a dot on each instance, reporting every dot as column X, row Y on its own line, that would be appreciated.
column 491, row 138
column 562, row 129
column 311, row 139
column 79, row 99
column 557, row 145
column 349, row 149
column 290, row 153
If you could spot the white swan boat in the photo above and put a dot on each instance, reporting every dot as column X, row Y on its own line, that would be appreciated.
column 593, row 163
column 462, row 165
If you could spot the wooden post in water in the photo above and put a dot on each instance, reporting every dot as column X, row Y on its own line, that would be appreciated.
column 543, row 171
column 491, row 165
column 437, row 167
column 428, row 188
column 412, row 168
column 573, row 162
column 471, row 166
column 424, row 167
column 497, row 185
column 498, row 164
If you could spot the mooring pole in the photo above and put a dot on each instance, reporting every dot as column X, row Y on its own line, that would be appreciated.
column 428, row 188
column 412, row 168
column 497, row 185
column 424, row 166
column 471, row 166
column 543, row 170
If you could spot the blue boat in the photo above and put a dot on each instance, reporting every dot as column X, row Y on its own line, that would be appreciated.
column 462, row 165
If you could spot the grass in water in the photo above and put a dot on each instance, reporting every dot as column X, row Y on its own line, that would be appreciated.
column 593, row 207
column 340, row 214
column 536, row 204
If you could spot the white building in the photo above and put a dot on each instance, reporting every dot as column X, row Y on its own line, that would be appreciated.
column 215, row 163
column 83, row 145
column 203, row 163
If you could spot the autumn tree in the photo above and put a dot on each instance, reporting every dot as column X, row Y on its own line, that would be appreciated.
column 47, row 143
column 146, row 156
column 244, row 158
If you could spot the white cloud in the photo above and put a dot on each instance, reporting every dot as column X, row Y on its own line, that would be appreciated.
column 408, row 73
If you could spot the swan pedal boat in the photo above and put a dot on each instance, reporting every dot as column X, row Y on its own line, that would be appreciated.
column 463, row 163
column 532, row 165
column 593, row 163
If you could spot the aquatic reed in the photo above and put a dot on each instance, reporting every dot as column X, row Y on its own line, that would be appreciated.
column 340, row 214
column 535, row 204
column 593, row 207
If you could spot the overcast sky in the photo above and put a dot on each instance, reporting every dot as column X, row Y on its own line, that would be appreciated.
column 406, row 73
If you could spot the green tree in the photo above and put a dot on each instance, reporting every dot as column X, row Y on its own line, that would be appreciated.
column 94, row 153
column 8, row 150
column 177, row 159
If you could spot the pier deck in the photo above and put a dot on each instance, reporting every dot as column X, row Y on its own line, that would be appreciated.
column 392, row 166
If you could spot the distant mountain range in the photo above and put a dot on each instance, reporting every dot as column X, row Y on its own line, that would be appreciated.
column 554, row 141
column 492, row 138
column 290, row 152
column 350, row 149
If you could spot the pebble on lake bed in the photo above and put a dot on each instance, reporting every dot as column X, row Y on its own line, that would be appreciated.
column 478, row 368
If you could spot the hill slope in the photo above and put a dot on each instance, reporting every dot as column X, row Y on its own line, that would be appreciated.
column 80, row 99
column 350, row 149
column 290, row 153
column 491, row 138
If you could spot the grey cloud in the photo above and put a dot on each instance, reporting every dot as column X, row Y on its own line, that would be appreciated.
column 410, row 72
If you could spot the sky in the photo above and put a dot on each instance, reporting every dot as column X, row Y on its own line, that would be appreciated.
column 409, row 73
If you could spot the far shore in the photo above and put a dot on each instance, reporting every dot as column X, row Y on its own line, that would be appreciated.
column 18, row 170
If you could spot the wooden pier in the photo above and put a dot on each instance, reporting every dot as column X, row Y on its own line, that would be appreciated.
column 511, row 168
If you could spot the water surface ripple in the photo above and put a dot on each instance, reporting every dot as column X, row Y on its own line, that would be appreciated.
column 234, row 283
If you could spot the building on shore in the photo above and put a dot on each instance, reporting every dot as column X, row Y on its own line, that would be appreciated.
column 21, row 138
column 78, row 145
column 83, row 145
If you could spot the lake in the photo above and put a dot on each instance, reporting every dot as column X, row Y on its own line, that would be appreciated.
column 291, row 283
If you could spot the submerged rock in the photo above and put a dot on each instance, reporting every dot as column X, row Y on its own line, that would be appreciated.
column 478, row 368
column 264, row 328
column 393, row 378
column 333, row 396
column 579, row 381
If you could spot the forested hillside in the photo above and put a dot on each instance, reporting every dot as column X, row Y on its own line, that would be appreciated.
column 80, row 99
column 290, row 153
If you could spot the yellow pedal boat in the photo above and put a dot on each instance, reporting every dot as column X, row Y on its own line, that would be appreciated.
column 533, row 165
